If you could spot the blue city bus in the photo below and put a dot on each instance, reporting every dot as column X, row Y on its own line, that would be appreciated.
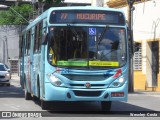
column 76, row 54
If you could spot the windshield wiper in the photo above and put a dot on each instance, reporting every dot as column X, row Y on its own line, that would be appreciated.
column 102, row 35
column 102, row 56
column 100, row 39
column 74, row 31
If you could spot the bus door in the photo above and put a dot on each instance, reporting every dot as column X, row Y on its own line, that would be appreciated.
column 32, row 61
column 43, row 57
column 21, row 56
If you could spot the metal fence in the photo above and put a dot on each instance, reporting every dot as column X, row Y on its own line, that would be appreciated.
column 137, row 60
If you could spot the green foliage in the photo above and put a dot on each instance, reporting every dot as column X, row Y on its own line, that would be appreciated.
column 10, row 17
column 51, row 1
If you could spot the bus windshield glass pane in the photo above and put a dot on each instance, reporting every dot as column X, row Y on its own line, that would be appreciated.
column 87, row 17
column 81, row 47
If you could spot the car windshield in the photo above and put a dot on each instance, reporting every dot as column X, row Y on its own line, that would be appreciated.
column 6, row 66
column 3, row 68
column 87, row 47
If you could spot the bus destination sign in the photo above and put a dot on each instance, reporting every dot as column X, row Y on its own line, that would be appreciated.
column 87, row 16
column 84, row 16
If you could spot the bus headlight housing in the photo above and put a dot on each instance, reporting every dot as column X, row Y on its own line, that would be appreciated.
column 55, row 80
column 118, row 82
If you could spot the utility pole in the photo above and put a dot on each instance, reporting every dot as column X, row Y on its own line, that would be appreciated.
column 131, row 45
column 4, row 54
column 6, row 43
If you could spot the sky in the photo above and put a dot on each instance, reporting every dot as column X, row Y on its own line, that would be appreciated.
column 78, row 1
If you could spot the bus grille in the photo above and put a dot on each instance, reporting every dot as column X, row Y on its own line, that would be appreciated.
column 87, row 93
column 92, row 85
column 75, row 77
column 2, row 76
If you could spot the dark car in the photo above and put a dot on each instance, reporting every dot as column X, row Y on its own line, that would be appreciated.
column 4, row 75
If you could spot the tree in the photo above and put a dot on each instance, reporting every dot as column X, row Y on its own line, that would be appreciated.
column 51, row 1
column 10, row 17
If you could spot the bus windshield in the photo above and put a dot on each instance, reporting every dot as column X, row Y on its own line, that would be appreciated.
column 86, row 47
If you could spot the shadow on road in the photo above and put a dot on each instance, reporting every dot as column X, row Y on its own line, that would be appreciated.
column 91, row 109
column 11, row 91
column 93, row 106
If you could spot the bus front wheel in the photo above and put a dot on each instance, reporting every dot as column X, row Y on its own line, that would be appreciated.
column 27, row 94
column 44, row 105
column 106, row 105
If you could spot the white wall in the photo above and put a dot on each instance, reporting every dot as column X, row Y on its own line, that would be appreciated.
column 93, row 2
column 78, row 1
column 12, row 35
column 146, row 18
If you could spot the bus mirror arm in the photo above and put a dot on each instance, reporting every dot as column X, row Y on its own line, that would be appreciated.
column 130, row 41
column 136, row 46
column 45, row 40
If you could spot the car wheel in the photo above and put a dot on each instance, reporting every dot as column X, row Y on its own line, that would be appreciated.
column 8, row 84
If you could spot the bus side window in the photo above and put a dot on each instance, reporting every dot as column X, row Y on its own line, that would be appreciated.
column 26, row 44
column 28, row 38
column 21, row 46
column 35, row 38
column 39, row 36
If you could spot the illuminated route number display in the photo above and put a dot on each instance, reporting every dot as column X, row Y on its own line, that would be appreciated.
column 87, row 16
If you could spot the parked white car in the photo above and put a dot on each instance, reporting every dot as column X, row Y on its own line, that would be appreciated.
column 4, row 75
column 8, row 69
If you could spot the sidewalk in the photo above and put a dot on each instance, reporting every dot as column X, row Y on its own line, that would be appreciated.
column 146, row 92
column 15, row 77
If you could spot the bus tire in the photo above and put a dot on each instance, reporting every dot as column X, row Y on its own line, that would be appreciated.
column 106, row 105
column 21, row 82
column 26, row 93
column 38, row 88
column 37, row 97
column 44, row 105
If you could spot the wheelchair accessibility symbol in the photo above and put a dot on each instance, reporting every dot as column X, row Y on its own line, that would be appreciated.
column 92, row 31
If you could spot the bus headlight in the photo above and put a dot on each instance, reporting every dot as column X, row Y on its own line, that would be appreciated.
column 118, row 82
column 55, row 80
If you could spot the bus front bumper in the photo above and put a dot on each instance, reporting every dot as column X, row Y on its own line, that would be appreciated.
column 53, row 93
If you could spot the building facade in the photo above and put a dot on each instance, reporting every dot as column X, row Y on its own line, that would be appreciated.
column 146, row 30
column 9, row 46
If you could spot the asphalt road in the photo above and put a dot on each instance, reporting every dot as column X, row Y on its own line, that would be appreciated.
column 12, row 99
